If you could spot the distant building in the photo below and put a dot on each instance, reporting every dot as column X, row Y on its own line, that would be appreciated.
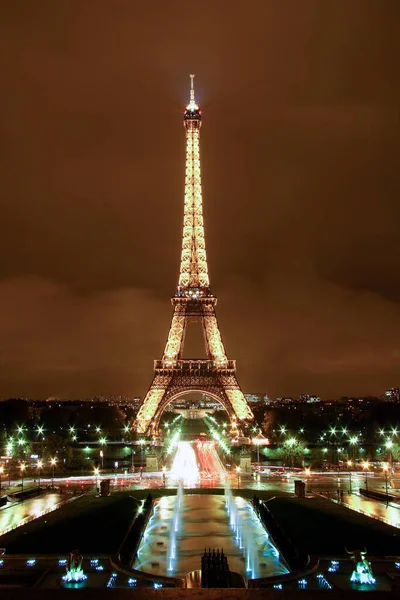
column 392, row 395
column 309, row 398
column 253, row 398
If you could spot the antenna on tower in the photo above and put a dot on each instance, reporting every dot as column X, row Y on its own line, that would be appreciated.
column 192, row 104
column 192, row 89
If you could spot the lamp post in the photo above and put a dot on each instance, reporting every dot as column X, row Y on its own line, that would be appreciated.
column 163, row 475
column 349, row 464
column 53, row 464
column 307, row 472
column 1, row 473
column 385, row 470
column 102, row 459
column 238, row 475
column 366, row 467
column 39, row 466
column 354, row 442
column 22, row 467
column 389, row 446
column 132, row 461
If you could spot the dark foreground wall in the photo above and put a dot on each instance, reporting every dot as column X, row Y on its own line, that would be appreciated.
column 191, row 594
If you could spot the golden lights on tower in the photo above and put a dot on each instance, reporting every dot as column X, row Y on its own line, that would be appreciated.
column 193, row 300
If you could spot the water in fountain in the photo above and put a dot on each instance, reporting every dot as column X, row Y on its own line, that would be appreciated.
column 171, row 552
column 204, row 522
column 241, row 529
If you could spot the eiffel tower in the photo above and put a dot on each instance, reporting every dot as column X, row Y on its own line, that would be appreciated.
column 193, row 301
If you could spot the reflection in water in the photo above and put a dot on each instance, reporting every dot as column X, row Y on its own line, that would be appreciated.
column 204, row 522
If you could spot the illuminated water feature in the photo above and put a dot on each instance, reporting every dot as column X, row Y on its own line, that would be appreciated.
column 204, row 522
column 184, row 467
column 173, row 530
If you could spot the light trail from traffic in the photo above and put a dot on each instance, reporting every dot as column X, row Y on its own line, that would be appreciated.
column 184, row 467
column 209, row 461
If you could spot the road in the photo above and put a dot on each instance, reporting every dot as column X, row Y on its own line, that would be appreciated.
column 324, row 483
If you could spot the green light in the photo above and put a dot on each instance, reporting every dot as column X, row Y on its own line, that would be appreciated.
column 102, row 441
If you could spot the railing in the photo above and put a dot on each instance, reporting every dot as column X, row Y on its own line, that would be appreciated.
column 189, row 365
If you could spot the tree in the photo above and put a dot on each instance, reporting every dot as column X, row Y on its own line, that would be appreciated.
column 293, row 452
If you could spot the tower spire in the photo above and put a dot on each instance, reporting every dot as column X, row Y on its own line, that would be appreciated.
column 193, row 271
column 192, row 101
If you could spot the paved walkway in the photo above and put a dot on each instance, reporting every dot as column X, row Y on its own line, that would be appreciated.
column 389, row 514
column 12, row 515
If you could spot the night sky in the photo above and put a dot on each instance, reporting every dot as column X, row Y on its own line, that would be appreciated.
column 301, row 187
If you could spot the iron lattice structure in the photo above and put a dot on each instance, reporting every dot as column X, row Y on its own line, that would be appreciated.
column 173, row 375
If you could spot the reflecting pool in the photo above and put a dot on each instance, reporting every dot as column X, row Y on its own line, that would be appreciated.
column 204, row 522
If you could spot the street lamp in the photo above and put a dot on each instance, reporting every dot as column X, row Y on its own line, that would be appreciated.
column 102, row 459
column 385, row 470
column 163, row 475
column 238, row 475
column 22, row 467
column 53, row 464
column 39, row 466
column 389, row 446
column 307, row 472
column 349, row 464
column 354, row 442
column 366, row 467
column 257, row 443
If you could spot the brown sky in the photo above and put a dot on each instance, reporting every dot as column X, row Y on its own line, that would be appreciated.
column 300, row 164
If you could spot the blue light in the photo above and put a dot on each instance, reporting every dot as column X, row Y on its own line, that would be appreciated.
column 31, row 562
column 277, row 586
column 62, row 562
column 132, row 582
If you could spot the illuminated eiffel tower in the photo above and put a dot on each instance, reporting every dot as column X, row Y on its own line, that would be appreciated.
column 173, row 375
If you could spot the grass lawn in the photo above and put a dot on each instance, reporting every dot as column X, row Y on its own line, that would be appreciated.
column 94, row 525
column 318, row 526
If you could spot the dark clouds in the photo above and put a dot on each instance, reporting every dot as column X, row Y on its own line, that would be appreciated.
column 300, row 150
